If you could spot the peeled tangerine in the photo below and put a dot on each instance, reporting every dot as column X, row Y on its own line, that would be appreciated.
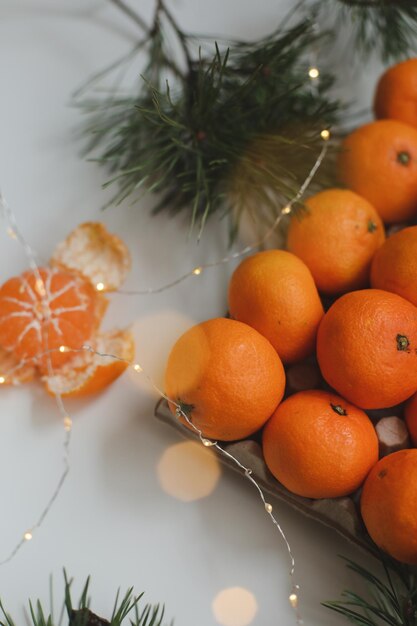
column 274, row 292
column 367, row 348
column 226, row 377
column 319, row 446
column 48, row 315
column 389, row 505
column 89, row 373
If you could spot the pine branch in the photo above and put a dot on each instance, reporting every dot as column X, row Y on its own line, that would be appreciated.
column 127, row 607
column 198, row 143
column 387, row 27
column 391, row 600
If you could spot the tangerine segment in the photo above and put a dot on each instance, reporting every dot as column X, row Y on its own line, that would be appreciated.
column 12, row 372
column 319, row 446
column 274, row 292
column 394, row 267
column 379, row 162
column 45, row 310
column 87, row 373
column 336, row 237
column 411, row 418
column 100, row 257
column 367, row 348
column 226, row 377
column 389, row 505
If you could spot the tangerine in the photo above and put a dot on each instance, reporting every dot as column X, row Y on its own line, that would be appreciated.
column 319, row 446
column 41, row 311
column 379, row 162
column 411, row 418
column 226, row 377
column 396, row 93
column 389, row 505
column 336, row 238
column 274, row 292
column 394, row 267
column 367, row 348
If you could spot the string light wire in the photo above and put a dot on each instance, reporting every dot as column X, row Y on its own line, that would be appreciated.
column 15, row 234
column 286, row 210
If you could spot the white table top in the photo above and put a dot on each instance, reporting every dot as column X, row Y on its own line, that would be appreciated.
column 113, row 519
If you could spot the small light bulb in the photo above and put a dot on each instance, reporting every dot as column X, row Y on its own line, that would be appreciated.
column 268, row 507
column 286, row 210
column 325, row 134
column 63, row 349
column 27, row 536
column 137, row 367
column 314, row 72
column 197, row 271
column 100, row 286
column 207, row 443
column 11, row 233
column 2, row 380
column 293, row 598
column 67, row 423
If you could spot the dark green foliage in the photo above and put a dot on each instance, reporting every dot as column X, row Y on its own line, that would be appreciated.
column 391, row 599
column 231, row 126
column 387, row 27
column 239, row 129
column 81, row 615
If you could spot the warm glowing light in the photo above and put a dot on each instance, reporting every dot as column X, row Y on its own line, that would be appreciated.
column 268, row 507
column 188, row 472
column 197, row 271
column 137, row 368
column 325, row 134
column 67, row 423
column 100, row 286
column 2, row 380
column 27, row 536
column 235, row 607
column 63, row 349
column 314, row 72
column 207, row 443
column 293, row 598
column 286, row 210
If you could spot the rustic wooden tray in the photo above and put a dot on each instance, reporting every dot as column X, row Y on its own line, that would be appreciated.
column 339, row 514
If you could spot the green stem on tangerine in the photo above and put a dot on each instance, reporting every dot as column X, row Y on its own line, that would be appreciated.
column 338, row 409
column 402, row 342
column 404, row 158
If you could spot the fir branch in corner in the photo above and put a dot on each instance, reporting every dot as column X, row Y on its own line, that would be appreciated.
column 391, row 599
column 125, row 610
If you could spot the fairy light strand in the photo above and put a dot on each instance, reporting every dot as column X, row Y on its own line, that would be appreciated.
column 15, row 234
column 198, row 270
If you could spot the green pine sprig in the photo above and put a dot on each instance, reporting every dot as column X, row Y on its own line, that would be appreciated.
column 390, row 599
column 230, row 127
column 125, row 607
column 385, row 27
column 244, row 113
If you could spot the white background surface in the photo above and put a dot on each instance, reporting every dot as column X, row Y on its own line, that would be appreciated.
column 113, row 520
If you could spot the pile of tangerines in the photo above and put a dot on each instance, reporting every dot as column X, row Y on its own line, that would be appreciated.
column 342, row 295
